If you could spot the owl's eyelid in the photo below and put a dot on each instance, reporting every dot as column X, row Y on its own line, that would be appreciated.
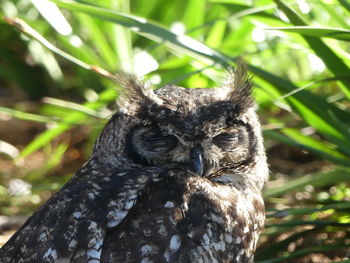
column 160, row 138
column 227, row 136
column 157, row 138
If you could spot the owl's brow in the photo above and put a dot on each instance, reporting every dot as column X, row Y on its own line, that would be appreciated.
column 211, row 111
column 218, row 109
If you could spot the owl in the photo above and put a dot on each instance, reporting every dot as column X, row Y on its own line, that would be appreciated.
column 175, row 176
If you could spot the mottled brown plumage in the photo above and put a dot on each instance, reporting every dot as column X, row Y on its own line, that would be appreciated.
column 175, row 176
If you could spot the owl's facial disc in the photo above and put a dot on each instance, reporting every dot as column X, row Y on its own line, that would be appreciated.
column 194, row 128
column 225, row 146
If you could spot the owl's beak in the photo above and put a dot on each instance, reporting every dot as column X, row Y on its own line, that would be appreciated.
column 196, row 154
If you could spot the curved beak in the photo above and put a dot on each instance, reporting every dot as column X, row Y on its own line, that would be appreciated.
column 196, row 154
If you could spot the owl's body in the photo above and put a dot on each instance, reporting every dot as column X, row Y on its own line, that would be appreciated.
column 176, row 176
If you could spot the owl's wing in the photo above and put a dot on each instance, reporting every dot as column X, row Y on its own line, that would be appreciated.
column 77, row 217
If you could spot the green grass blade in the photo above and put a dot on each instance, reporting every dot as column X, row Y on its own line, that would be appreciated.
column 345, row 4
column 27, row 116
column 121, row 38
column 241, row 10
column 73, row 106
column 82, row 52
column 293, row 137
column 328, row 124
column 336, row 33
column 216, row 34
column 319, row 179
column 45, row 137
column 326, row 117
column 275, row 248
column 313, row 83
column 317, row 223
column 26, row 29
column 29, row 31
column 337, row 17
column 316, row 103
column 55, row 158
column 99, row 41
column 329, row 58
column 181, row 43
column 303, row 252
column 308, row 210
column 191, row 21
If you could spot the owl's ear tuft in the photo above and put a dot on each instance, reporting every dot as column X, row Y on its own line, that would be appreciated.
column 135, row 93
column 240, row 84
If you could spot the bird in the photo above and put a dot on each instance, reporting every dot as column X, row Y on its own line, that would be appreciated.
column 176, row 175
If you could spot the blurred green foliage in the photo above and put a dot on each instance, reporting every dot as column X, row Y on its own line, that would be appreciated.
column 298, row 51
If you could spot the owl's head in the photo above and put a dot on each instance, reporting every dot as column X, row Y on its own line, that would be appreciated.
column 213, row 133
